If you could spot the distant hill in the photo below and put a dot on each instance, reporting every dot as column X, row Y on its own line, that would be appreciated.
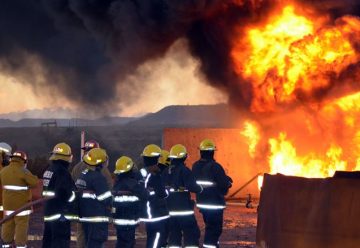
column 105, row 121
column 172, row 116
column 118, row 135
column 117, row 140
column 64, row 117
column 46, row 113
column 187, row 116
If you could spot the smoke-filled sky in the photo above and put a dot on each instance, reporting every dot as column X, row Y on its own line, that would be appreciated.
column 124, row 56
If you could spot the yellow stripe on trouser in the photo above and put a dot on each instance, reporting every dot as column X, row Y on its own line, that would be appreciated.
column 16, row 228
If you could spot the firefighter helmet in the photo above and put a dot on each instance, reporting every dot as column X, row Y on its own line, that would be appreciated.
column 207, row 145
column 95, row 157
column 151, row 151
column 6, row 148
column 178, row 151
column 123, row 164
column 164, row 158
column 62, row 151
column 90, row 144
column 20, row 154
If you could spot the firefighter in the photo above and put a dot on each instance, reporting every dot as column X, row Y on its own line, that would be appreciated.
column 81, row 166
column 164, row 162
column 5, row 153
column 95, row 200
column 211, row 202
column 16, row 182
column 75, row 174
column 155, row 213
column 128, row 193
column 59, row 186
column 180, row 182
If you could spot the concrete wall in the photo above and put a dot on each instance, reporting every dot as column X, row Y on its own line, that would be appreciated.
column 232, row 153
column 309, row 213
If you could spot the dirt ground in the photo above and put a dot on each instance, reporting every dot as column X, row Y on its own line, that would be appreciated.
column 239, row 229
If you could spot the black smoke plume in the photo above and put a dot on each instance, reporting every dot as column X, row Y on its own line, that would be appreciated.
column 84, row 48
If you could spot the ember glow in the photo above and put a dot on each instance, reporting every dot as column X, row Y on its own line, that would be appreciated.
column 289, row 59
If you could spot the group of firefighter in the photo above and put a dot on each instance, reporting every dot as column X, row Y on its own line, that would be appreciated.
column 158, row 195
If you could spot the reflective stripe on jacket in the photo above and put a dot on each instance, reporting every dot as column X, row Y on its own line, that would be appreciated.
column 128, row 193
column 154, row 208
column 179, row 182
column 57, row 182
column 211, row 176
column 16, row 183
column 95, row 197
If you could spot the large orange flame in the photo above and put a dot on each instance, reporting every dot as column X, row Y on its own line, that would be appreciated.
column 287, row 59
column 291, row 55
column 251, row 133
column 284, row 159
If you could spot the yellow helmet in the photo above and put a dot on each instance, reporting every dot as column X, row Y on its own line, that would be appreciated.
column 164, row 158
column 61, row 151
column 95, row 157
column 207, row 145
column 151, row 151
column 178, row 151
column 123, row 164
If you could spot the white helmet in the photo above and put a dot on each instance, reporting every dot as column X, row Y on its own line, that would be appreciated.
column 6, row 148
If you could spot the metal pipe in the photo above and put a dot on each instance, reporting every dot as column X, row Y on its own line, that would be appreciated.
column 244, row 186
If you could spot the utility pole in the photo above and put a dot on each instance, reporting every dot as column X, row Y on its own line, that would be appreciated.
column 82, row 144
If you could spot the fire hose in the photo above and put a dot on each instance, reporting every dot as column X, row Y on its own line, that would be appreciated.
column 25, row 207
column 36, row 202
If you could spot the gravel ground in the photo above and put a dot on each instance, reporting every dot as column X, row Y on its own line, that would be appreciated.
column 239, row 229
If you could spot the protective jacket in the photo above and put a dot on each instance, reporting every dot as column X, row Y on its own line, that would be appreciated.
column 154, row 207
column 57, row 182
column 95, row 196
column 128, row 193
column 179, row 182
column 16, row 182
column 81, row 166
column 3, row 163
column 211, row 176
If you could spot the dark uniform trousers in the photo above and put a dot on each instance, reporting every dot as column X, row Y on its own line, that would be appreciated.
column 155, row 234
column 56, row 234
column 213, row 226
column 96, row 234
column 184, row 226
column 125, row 236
